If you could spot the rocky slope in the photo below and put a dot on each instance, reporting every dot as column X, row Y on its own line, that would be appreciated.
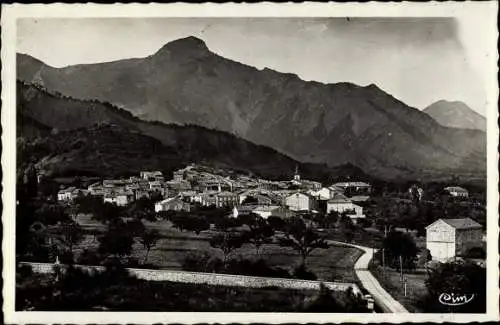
column 70, row 136
column 185, row 83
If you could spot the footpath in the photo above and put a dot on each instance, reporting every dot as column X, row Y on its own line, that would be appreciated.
column 383, row 299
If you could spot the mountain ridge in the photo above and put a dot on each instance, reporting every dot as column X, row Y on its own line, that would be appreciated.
column 45, row 120
column 302, row 119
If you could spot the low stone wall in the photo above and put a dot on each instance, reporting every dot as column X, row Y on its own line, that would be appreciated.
column 212, row 278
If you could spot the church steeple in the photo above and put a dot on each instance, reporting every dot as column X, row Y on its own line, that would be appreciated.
column 296, row 177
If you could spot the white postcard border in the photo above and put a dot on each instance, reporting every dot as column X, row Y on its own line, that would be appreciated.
column 486, row 28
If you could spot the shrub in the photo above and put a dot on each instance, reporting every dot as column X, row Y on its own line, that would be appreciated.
column 476, row 252
column 197, row 262
column 301, row 272
column 255, row 268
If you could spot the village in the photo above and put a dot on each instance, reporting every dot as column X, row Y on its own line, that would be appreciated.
column 241, row 195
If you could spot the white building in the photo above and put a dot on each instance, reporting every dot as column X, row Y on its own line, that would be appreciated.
column 457, row 191
column 447, row 238
column 121, row 198
column 151, row 175
column 355, row 187
column 66, row 194
column 324, row 193
column 173, row 204
column 342, row 204
column 300, row 202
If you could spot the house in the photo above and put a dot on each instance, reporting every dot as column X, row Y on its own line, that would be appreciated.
column 157, row 186
column 323, row 193
column 300, row 201
column 260, row 197
column 120, row 198
column 447, row 238
column 342, row 204
column 226, row 199
column 150, row 175
column 219, row 199
column 66, row 194
column 243, row 210
column 457, row 191
column 188, row 196
column 354, row 187
column 172, row 204
column 265, row 211
column 179, row 175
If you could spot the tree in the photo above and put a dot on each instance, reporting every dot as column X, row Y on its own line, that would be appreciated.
column 347, row 227
column 70, row 235
column 330, row 219
column 276, row 223
column 460, row 279
column 117, row 241
column 301, row 238
column 51, row 214
column 398, row 246
column 149, row 239
column 260, row 232
column 227, row 242
column 194, row 223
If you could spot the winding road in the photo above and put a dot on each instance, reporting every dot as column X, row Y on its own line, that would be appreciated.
column 383, row 299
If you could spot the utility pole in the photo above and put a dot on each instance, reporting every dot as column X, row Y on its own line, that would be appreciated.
column 401, row 265
column 405, row 281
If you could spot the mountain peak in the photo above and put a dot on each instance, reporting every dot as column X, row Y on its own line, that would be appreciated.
column 185, row 46
column 456, row 114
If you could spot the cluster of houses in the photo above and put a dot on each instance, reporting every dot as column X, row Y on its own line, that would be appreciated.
column 244, row 194
column 446, row 238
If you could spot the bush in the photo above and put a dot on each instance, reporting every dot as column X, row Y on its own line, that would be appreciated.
column 323, row 302
column 24, row 270
column 88, row 257
column 457, row 278
column 255, row 268
column 476, row 252
column 196, row 262
column 301, row 272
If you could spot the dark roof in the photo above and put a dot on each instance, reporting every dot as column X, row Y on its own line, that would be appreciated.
column 465, row 223
column 339, row 198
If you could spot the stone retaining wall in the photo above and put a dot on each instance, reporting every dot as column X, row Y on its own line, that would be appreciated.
column 211, row 278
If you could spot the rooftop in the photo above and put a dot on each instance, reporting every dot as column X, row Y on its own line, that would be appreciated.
column 339, row 198
column 351, row 184
column 455, row 189
column 463, row 223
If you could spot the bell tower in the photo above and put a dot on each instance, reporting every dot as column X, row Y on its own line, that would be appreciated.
column 296, row 177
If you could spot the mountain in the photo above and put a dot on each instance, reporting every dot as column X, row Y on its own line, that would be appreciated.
column 67, row 136
column 456, row 114
column 185, row 83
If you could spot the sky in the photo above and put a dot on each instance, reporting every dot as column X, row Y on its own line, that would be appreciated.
column 417, row 60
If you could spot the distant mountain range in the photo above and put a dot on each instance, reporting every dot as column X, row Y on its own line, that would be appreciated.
column 334, row 124
column 456, row 114
column 67, row 136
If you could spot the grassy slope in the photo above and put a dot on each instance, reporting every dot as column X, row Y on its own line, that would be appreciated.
column 391, row 281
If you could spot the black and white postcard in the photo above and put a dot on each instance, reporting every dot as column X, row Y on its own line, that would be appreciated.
column 250, row 163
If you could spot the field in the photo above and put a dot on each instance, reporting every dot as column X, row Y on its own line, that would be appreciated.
column 333, row 264
column 391, row 282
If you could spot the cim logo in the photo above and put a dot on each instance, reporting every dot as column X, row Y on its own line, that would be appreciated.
column 455, row 300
